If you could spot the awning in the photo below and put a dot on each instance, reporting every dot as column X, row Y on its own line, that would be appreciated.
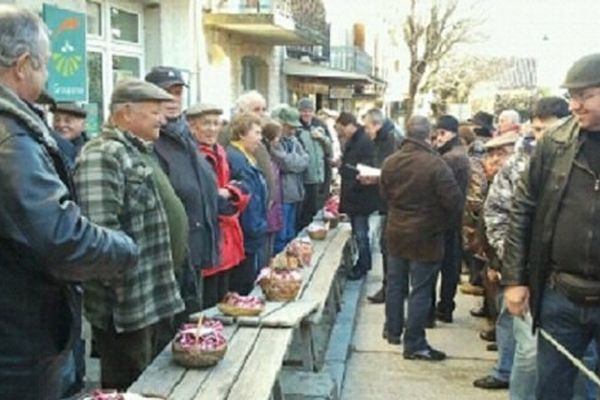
column 299, row 68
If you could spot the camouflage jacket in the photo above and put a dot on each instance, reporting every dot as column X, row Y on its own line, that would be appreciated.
column 496, row 209
column 476, row 192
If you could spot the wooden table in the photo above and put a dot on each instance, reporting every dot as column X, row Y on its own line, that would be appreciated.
column 256, row 345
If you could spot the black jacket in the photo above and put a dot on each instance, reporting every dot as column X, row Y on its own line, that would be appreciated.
column 45, row 246
column 195, row 183
column 358, row 199
column 387, row 140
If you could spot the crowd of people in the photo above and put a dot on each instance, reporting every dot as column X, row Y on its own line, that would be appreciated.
column 167, row 210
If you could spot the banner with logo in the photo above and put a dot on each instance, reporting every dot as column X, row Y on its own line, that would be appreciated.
column 67, row 68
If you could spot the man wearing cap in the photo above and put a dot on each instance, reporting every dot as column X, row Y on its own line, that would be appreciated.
column 314, row 137
column 552, row 249
column 69, row 122
column 454, row 154
column 121, row 186
column 45, row 242
column 293, row 161
column 194, row 181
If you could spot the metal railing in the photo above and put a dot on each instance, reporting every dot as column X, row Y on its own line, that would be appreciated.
column 351, row 58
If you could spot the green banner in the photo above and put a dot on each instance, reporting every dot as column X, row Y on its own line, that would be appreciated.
column 67, row 67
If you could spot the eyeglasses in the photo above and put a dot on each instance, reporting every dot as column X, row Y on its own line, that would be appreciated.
column 582, row 95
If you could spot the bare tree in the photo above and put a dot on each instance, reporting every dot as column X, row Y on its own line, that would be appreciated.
column 430, row 38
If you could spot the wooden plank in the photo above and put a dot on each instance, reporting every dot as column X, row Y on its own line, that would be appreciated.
column 257, row 379
column 288, row 316
column 322, row 281
column 225, row 374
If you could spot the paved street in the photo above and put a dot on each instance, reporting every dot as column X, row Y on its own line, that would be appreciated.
column 376, row 369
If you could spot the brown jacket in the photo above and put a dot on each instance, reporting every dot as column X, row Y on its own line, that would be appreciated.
column 423, row 201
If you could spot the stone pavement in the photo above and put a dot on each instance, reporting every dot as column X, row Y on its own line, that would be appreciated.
column 377, row 371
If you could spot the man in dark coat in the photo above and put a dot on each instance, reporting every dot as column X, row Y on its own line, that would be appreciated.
column 423, row 199
column 195, row 183
column 358, row 200
column 69, row 122
column 45, row 243
column 386, row 138
column 551, row 251
column 454, row 154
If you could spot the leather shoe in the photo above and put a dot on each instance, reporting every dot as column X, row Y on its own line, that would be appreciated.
column 391, row 339
column 468, row 288
column 377, row 297
column 429, row 354
column 477, row 312
column 490, row 382
column 443, row 316
column 492, row 347
column 488, row 336
column 355, row 275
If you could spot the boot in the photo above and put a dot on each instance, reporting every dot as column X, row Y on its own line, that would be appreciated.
column 377, row 297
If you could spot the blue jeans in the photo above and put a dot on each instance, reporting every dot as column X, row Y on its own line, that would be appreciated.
column 572, row 325
column 360, row 230
column 522, row 375
column 288, row 232
column 422, row 278
column 506, row 342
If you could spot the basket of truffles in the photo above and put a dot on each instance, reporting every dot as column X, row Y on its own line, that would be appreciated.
column 279, row 282
column 317, row 230
column 236, row 305
column 302, row 249
column 199, row 345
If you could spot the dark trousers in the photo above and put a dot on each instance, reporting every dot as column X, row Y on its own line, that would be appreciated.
column 124, row 356
column 215, row 288
column 421, row 276
column 383, row 248
column 242, row 277
column 309, row 206
column 450, row 271
column 360, row 231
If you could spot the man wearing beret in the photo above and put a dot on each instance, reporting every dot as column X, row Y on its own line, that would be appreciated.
column 69, row 122
column 121, row 186
column 552, row 247
column 195, row 183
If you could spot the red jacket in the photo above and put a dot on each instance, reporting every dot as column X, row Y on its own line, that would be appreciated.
column 232, row 240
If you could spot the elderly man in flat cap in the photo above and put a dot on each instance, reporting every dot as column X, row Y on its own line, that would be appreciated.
column 121, row 186
column 68, row 120
column 45, row 243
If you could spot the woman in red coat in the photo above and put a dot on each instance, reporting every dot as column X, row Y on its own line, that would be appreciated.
column 205, row 124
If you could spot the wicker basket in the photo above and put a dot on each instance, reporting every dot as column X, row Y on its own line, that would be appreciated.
column 196, row 358
column 292, row 261
column 320, row 234
column 236, row 311
column 280, row 290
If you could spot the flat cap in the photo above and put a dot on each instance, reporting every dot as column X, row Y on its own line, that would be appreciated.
column 165, row 77
column 502, row 140
column 584, row 73
column 138, row 91
column 287, row 115
column 203, row 108
column 306, row 104
column 69, row 108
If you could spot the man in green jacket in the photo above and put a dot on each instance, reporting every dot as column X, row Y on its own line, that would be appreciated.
column 552, row 248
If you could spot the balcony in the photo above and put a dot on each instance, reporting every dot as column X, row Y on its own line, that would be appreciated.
column 352, row 59
column 276, row 22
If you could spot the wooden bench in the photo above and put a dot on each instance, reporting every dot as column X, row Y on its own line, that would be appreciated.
column 258, row 345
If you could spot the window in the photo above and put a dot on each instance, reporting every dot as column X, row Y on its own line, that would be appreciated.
column 254, row 74
column 124, row 25
column 115, row 51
